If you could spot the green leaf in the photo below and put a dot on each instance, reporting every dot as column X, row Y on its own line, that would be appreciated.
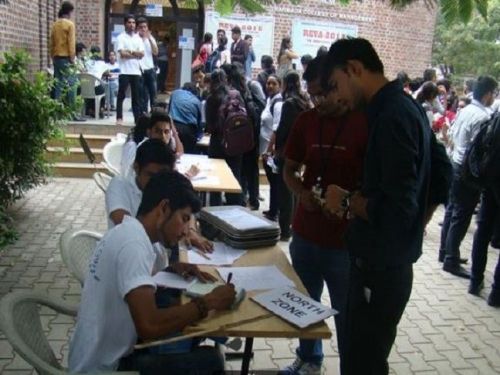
column 224, row 7
column 465, row 8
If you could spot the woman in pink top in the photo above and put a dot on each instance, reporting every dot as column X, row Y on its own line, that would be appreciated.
column 206, row 47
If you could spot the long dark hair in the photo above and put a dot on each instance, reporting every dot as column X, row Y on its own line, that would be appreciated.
column 236, row 78
column 218, row 83
column 292, row 89
column 285, row 42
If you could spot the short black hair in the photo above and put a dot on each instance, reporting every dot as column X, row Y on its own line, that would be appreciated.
column 428, row 91
column 158, row 116
column 66, row 8
column 95, row 49
column 306, row 59
column 403, row 78
column 266, row 61
column 313, row 70
column 236, row 29
column 429, row 74
column 248, row 36
column 347, row 49
column 191, row 87
column 323, row 50
column 80, row 47
column 198, row 68
column 483, row 86
column 140, row 20
column 127, row 17
column 469, row 85
column 155, row 151
column 169, row 185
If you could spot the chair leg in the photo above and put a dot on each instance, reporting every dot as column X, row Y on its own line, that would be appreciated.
column 97, row 107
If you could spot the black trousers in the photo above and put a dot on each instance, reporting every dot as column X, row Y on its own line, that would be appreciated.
column 376, row 301
column 124, row 80
column 162, row 77
column 273, row 190
column 250, row 176
column 286, row 204
column 187, row 135
column 148, row 89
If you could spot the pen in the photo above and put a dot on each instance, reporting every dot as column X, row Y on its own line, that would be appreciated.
column 202, row 254
column 229, row 277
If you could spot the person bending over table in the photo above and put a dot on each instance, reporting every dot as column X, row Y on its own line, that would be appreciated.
column 118, row 300
column 124, row 194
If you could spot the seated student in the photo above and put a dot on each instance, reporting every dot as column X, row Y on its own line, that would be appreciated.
column 158, row 125
column 185, row 111
column 118, row 300
column 124, row 194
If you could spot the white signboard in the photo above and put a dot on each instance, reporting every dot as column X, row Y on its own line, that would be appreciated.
column 294, row 306
column 309, row 35
column 186, row 42
column 261, row 29
column 154, row 10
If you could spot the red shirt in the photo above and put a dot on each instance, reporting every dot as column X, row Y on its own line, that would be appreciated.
column 343, row 167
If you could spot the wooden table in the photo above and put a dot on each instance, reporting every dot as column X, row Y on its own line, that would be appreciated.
column 211, row 168
column 259, row 321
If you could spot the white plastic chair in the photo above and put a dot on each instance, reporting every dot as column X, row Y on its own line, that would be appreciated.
column 112, row 155
column 76, row 247
column 20, row 322
column 87, row 87
column 102, row 180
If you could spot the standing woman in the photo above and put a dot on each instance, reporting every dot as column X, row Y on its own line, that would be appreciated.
column 295, row 101
column 270, row 119
column 206, row 48
column 285, row 57
column 219, row 91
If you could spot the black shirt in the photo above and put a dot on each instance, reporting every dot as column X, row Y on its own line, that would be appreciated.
column 396, row 181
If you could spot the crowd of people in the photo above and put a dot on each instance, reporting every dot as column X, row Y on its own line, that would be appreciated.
column 357, row 165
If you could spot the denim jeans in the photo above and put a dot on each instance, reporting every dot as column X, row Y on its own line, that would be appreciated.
column 315, row 266
column 488, row 217
column 111, row 92
column 148, row 89
column 65, row 81
column 200, row 361
column 463, row 201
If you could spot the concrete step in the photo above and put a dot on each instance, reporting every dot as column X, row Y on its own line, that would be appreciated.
column 75, row 155
column 95, row 141
column 80, row 170
column 90, row 127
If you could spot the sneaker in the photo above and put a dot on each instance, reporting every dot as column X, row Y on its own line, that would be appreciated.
column 294, row 368
column 494, row 298
column 475, row 287
column 309, row 369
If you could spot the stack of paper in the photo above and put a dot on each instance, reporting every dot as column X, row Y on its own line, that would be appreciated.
column 222, row 255
column 240, row 219
column 256, row 278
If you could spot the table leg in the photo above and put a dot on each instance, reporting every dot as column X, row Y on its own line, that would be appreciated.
column 247, row 355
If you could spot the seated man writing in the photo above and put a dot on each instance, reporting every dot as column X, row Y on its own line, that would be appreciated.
column 124, row 194
column 118, row 300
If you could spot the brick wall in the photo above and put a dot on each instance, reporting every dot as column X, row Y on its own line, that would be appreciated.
column 403, row 38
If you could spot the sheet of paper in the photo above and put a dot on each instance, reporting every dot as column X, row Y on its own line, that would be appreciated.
column 172, row 280
column 187, row 160
column 256, row 278
column 241, row 219
column 208, row 180
column 293, row 306
column 222, row 255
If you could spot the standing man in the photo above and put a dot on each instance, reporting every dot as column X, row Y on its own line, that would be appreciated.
column 464, row 198
column 62, row 50
column 130, row 48
column 250, row 57
column 239, row 49
column 147, row 64
column 385, row 237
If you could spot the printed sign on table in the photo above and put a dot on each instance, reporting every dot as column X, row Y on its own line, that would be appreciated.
column 260, row 28
column 294, row 306
column 309, row 35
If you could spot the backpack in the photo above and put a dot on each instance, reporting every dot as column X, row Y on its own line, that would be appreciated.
column 212, row 60
column 235, row 125
column 481, row 163
column 275, row 100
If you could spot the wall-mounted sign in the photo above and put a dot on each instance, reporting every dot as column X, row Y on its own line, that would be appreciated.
column 186, row 42
column 154, row 10
column 261, row 29
column 309, row 35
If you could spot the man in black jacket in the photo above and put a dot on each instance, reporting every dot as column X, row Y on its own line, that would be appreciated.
column 239, row 48
column 398, row 191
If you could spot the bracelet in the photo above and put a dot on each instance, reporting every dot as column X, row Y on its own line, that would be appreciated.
column 202, row 307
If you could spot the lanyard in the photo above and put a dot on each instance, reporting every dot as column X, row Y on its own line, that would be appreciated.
column 324, row 160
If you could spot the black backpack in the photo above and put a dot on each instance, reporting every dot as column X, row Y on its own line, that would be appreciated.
column 212, row 60
column 481, row 164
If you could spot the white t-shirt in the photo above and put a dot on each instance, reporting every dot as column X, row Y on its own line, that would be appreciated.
column 130, row 43
column 124, row 194
column 147, row 61
column 269, row 121
column 105, row 331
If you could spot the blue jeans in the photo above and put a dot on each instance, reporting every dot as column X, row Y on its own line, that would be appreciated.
column 148, row 89
column 65, row 81
column 111, row 92
column 315, row 266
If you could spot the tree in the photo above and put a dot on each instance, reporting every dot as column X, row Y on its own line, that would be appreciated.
column 472, row 49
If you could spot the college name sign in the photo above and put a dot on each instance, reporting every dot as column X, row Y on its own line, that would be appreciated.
column 294, row 306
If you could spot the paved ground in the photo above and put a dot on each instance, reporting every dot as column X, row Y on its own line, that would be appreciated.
column 444, row 330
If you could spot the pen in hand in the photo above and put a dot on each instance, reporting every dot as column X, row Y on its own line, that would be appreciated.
column 229, row 277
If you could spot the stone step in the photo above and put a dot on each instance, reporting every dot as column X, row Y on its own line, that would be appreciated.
column 74, row 155
column 95, row 141
column 79, row 170
column 89, row 127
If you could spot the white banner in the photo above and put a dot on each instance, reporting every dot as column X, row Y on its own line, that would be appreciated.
column 154, row 10
column 309, row 35
column 260, row 28
column 294, row 307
